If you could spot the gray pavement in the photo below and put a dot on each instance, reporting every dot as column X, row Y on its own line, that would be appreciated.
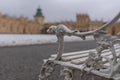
column 24, row 62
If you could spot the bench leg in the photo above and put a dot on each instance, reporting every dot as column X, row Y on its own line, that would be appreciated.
column 46, row 70
column 67, row 73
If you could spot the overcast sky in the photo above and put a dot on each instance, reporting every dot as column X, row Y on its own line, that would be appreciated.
column 60, row 10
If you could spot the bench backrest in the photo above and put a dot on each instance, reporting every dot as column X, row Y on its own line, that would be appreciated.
column 99, row 34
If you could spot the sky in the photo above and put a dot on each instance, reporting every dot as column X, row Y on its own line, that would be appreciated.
column 61, row 10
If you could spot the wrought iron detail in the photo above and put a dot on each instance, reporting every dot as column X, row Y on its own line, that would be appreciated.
column 46, row 70
column 67, row 73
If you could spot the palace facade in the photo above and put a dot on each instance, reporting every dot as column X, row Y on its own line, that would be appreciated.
column 21, row 25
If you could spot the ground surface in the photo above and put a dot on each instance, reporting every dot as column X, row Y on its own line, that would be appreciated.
column 24, row 62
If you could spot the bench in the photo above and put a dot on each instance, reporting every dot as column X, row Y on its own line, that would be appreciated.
column 103, row 61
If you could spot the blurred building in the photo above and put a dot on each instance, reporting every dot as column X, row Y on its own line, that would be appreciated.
column 21, row 25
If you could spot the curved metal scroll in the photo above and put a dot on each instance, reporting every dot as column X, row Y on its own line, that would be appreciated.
column 60, row 32
column 109, row 23
column 67, row 73
column 46, row 70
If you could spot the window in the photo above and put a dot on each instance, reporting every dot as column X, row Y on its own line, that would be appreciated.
column 11, row 27
column 29, row 30
column 3, row 28
column 87, row 20
column 18, row 29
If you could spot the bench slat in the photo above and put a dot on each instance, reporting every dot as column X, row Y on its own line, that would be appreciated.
column 81, row 52
column 76, row 59
column 73, row 53
column 69, row 58
column 80, row 61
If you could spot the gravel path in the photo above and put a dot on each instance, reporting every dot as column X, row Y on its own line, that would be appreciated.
column 24, row 62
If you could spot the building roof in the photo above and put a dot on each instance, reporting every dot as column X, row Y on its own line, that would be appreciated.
column 39, row 12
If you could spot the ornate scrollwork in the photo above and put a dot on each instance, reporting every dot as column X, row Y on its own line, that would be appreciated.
column 60, row 31
column 67, row 73
column 114, row 68
column 94, row 61
column 46, row 70
column 103, row 39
